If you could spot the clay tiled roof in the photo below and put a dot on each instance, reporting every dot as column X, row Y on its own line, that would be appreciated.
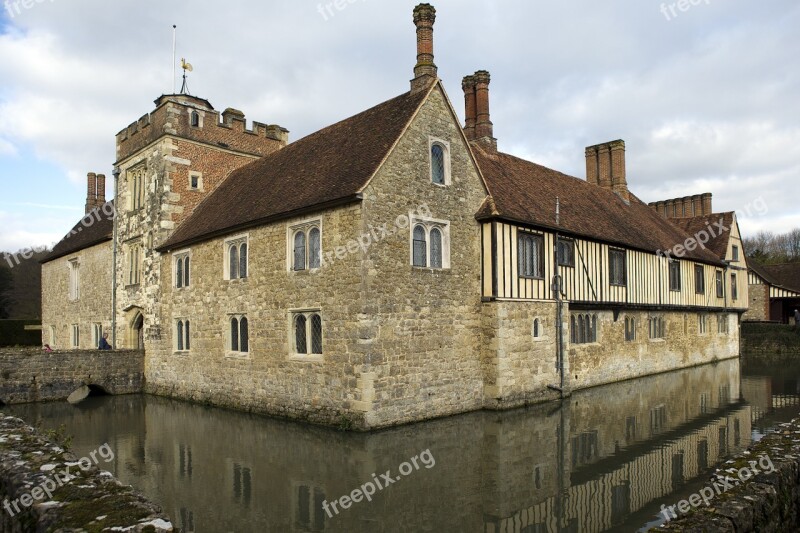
column 94, row 228
column 719, row 239
column 326, row 168
column 786, row 275
column 526, row 192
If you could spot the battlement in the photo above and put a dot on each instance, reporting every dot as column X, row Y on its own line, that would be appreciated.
column 195, row 119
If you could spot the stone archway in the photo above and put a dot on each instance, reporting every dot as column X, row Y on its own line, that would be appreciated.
column 134, row 338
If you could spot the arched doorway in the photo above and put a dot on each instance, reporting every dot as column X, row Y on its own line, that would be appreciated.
column 134, row 337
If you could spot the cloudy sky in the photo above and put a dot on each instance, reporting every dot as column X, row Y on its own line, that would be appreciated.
column 706, row 98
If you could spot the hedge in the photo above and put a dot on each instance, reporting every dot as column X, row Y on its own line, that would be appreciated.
column 13, row 333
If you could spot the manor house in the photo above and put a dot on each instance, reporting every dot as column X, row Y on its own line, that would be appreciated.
column 392, row 267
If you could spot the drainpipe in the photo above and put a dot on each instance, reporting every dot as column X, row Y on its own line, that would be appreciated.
column 559, row 316
column 116, row 174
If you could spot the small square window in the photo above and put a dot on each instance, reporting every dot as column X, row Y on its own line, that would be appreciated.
column 196, row 181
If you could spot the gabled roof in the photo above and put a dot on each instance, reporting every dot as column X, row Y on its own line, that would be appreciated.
column 94, row 228
column 329, row 167
column 719, row 239
column 525, row 192
column 784, row 275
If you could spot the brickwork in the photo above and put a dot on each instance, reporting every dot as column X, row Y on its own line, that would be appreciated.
column 93, row 305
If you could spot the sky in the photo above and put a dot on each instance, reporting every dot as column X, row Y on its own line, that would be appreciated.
column 705, row 93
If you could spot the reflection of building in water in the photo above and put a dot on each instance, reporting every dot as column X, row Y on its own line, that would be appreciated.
column 607, row 453
column 771, row 397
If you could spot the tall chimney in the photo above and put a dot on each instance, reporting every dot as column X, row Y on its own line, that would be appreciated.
column 706, row 199
column 484, row 129
column 91, row 191
column 619, row 181
column 425, row 70
column 101, row 189
column 604, row 166
column 470, row 106
column 591, row 165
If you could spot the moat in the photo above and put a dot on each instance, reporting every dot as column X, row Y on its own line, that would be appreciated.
column 605, row 459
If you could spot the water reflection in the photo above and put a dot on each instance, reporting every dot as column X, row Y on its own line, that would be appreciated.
column 605, row 459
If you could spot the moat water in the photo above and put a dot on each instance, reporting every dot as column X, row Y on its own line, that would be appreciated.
column 605, row 459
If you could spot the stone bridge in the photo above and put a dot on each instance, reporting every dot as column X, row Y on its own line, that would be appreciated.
column 31, row 375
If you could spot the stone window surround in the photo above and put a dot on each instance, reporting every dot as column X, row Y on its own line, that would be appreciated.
column 200, row 116
column 429, row 223
column 446, row 152
column 137, row 185
column 723, row 326
column 133, row 277
column 199, row 176
column 180, row 255
column 75, row 337
column 74, row 279
column 542, row 323
column 661, row 324
column 97, row 334
column 237, row 240
column 230, row 354
column 702, row 324
column 52, row 336
column 299, row 357
column 630, row 328
column 305, row 226
column 186, row 336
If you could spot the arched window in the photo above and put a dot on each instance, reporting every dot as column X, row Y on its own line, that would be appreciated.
column 314, row 248
column 195, row 119
column 316, row 334
column 299, row 251
column 593, row 337
column 243, row 261
column 179, row 273
column 420, row 247
column 186, row 332
column 300, row 334
column 180, row 335
column 233, row 252
column 573, row 330
column 437, row 164
column 581, row 329
column 537, row 328
column 186, row 271
column 234, row 334
column 244, row 335
column 436, row 248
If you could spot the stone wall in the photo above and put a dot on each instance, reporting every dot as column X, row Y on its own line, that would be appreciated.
column 759, row 303
column 45, row 488
column 93, row 305
column 767, row 501
column 30, row 375
column 612, row 358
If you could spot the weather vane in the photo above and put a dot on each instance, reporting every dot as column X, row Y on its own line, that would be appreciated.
column 187, row 67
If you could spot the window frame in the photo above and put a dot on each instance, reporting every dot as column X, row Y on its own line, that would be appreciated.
column 538, row 240
column 734, row 287
column 621, row 253
column 228, row 243
column 630, row 329
column 74, row 279
column 193, row 174
column 184, row 279
column 702, row 323
column 137, row 186
column 734, row 252
column 562, row 243
column 657, row 328
column 699, row 281
column 97, row 333
column 75, row 336
column 722, row 324
column 310, row 339
column 719, row 281
column 134, row 263
column 182, row 335
column 229, row 338
column 305, row 227
column 674, row 275
column 428, row 224
column 583, row 328
column 445, row 146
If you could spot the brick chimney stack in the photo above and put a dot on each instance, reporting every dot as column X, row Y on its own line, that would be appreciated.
column 91, row 191
column 686, row 207
column 605, row 167
column 425, row 70
column 101, row 189
column 484, row 129
column 470, row 107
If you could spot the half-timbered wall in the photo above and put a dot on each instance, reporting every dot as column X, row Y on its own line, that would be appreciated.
column 588, row 281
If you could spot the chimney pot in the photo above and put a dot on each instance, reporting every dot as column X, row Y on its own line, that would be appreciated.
column 425, row 69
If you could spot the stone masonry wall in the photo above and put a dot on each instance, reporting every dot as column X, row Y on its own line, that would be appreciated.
column 759, row 303
column 613, row 359
column 270, row 378
column 45, row 488
column 93, row 305
column 30, row 375
column 421, row 347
